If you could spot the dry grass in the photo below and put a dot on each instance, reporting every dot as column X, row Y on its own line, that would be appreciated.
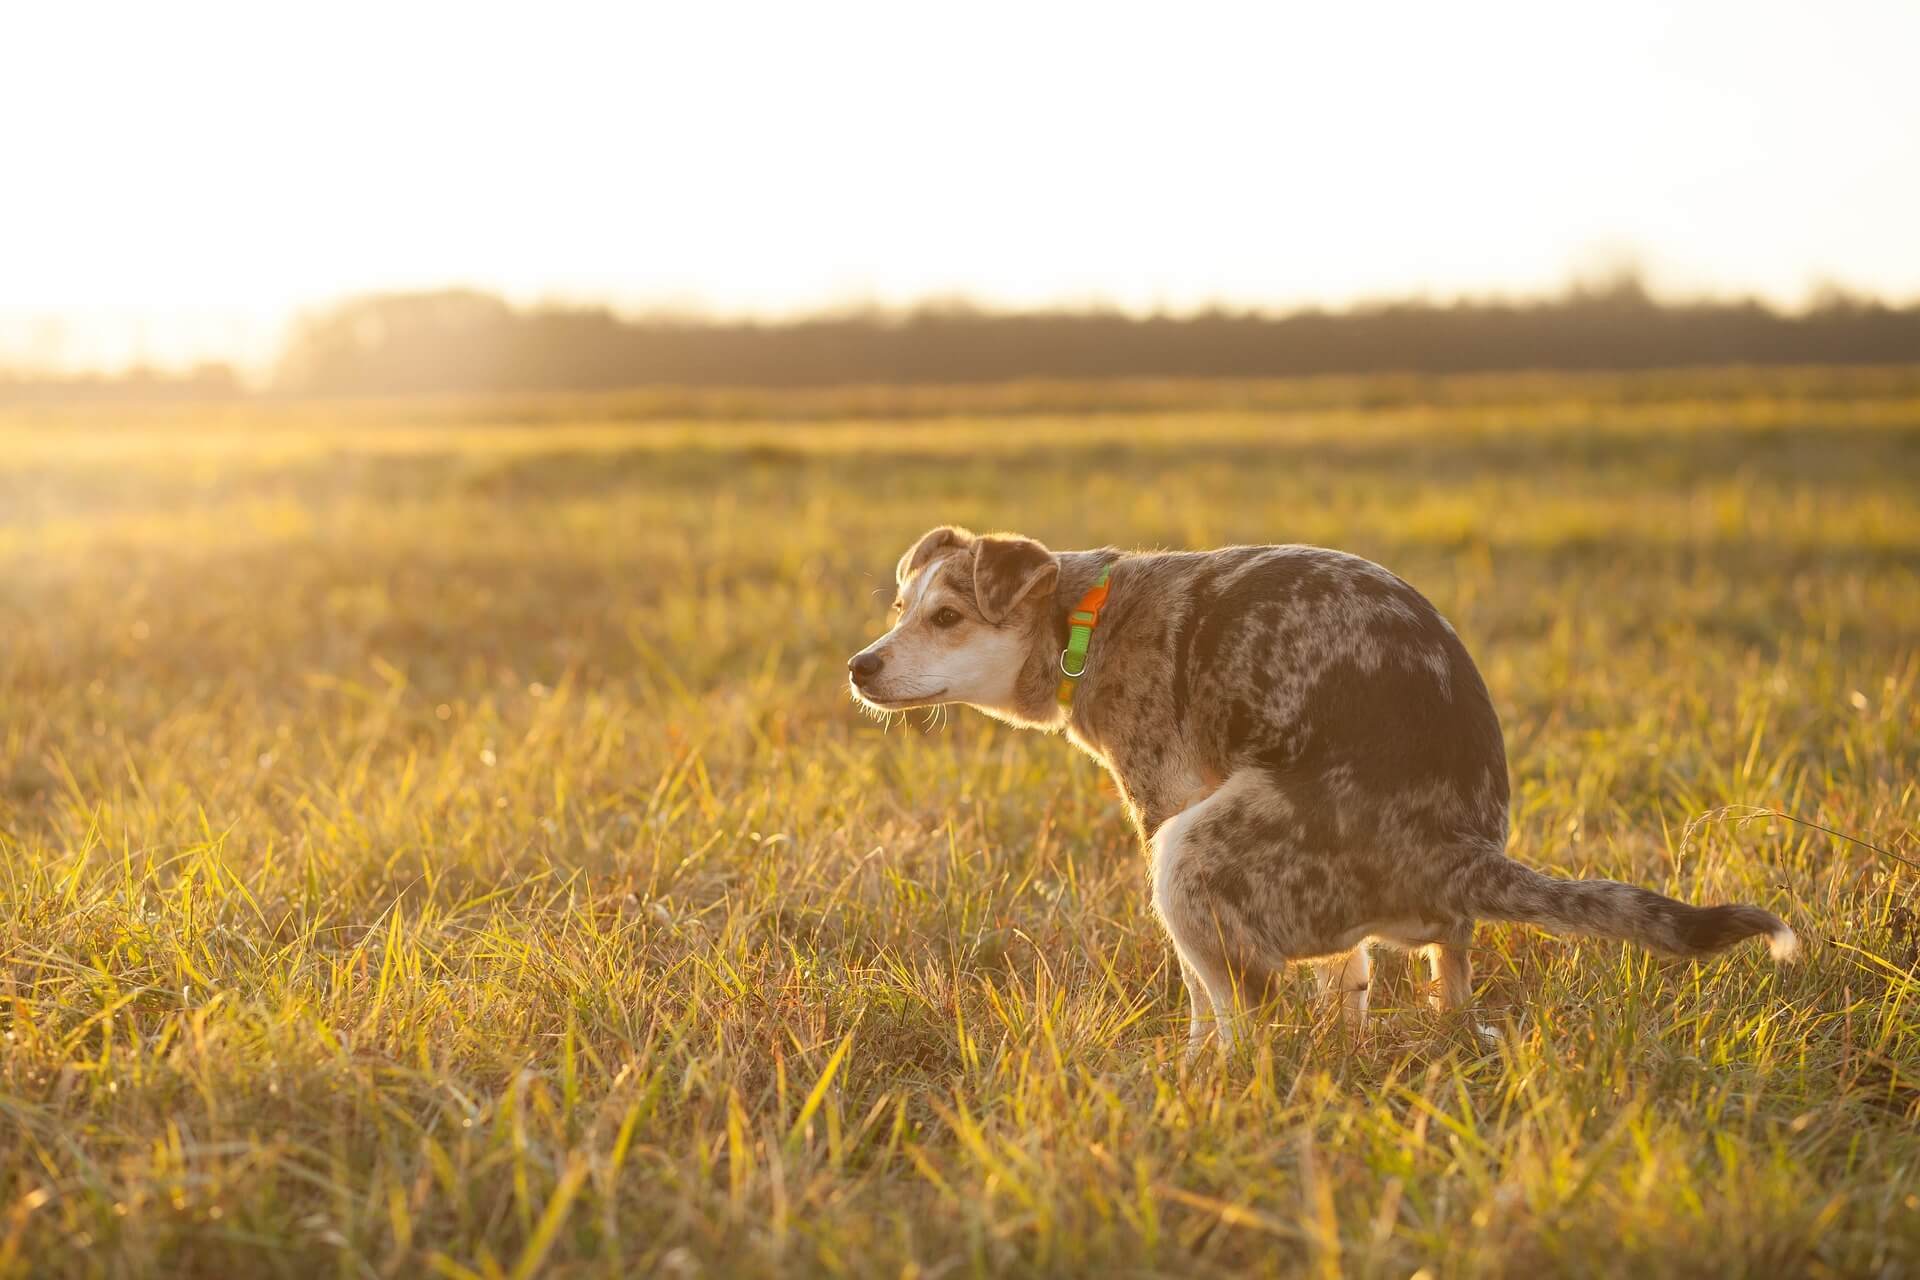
column 434, row 844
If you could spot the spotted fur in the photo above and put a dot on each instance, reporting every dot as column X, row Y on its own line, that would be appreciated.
column 1308, row 752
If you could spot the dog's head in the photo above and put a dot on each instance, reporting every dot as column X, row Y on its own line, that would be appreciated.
column 968, row 616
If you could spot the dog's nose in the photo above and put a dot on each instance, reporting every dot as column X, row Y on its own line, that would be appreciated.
column 864, row 666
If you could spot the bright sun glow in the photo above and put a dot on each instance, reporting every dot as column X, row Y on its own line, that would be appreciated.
column 179, row 177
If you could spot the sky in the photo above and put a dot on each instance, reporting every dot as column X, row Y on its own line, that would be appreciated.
column 177, row 179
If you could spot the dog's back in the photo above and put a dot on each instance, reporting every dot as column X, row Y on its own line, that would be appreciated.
column 1351, row 762
column 1333, row 677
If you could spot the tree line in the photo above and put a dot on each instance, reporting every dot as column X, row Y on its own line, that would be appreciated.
column 472, row 342
column 467, row 342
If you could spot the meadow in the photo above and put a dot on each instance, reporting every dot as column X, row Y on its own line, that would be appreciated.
column 435, row 839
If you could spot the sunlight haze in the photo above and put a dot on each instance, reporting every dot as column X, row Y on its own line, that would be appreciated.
column 181, row 179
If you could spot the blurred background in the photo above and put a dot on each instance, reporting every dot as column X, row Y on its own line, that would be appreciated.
column 222, row 199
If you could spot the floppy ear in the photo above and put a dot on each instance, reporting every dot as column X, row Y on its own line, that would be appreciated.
column 931, row 543
column 1006, row 571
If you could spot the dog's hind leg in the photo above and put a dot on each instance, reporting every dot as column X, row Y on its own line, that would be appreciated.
column 1452, row 963
column 1199, row 930
column 1199, row 1007
column 1350, row 975
column 1232, row 920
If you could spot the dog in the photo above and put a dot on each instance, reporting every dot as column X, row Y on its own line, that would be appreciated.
column 1308, row 753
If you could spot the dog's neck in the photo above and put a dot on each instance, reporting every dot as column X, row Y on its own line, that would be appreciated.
column 1078, row 572
column 1036, row 694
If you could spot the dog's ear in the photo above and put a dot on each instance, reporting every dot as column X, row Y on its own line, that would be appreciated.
column 1006, row 571
column 931, row 543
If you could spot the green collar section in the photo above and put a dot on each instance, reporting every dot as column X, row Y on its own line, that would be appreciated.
column 1080, row 624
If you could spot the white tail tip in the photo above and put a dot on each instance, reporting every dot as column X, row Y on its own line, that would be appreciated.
column 1784, row 943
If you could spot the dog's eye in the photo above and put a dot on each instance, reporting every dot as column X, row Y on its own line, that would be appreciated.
column 946, row 617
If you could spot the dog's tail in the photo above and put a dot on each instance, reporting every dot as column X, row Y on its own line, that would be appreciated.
column 1502, row 889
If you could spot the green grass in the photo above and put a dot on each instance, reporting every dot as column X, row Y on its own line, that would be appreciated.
column 435, row 839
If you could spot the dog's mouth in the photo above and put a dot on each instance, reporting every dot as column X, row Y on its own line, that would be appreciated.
column 898, row 702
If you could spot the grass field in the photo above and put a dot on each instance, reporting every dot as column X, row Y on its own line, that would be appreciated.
column 436, row 839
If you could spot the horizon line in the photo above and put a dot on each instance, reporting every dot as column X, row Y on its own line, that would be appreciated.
column 1626, row 280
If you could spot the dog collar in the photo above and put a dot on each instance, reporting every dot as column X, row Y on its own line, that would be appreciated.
column 1080, row 624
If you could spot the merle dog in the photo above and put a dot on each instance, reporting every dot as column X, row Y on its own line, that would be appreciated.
column 1303, row 743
